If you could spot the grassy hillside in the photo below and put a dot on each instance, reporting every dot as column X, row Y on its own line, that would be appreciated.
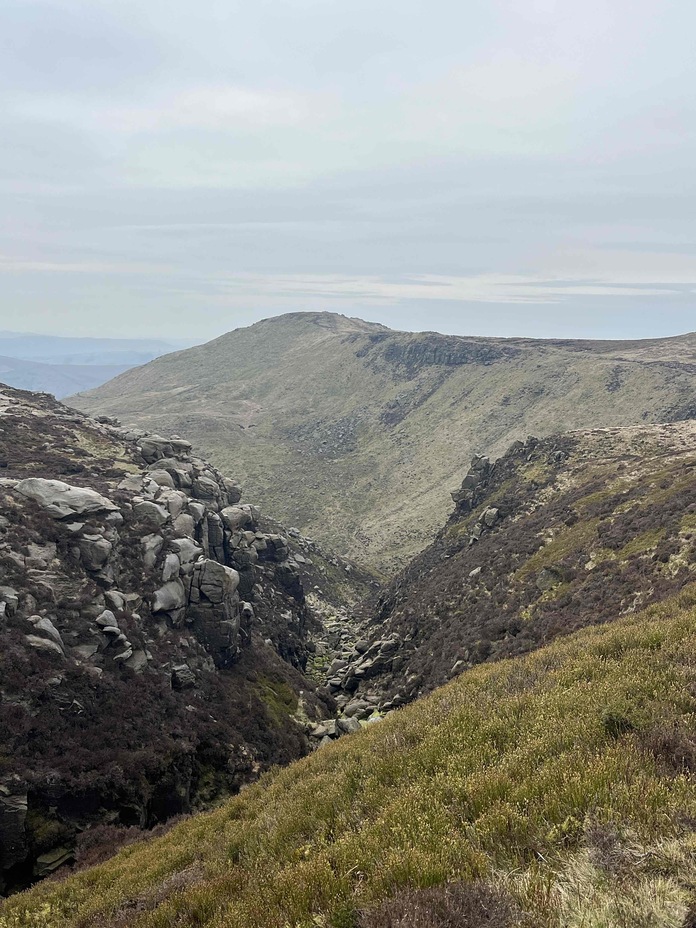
column 356, row 433
column 584, row 527
column 555, row 789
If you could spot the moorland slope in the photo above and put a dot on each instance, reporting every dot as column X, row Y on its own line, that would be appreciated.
column 356, row 433
column 557, row 534
column 553, row 789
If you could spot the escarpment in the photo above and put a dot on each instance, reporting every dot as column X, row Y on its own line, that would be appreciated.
column 356, row 433
column 153, row 630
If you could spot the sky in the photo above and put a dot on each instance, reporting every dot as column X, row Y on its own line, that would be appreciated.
column 497, row 167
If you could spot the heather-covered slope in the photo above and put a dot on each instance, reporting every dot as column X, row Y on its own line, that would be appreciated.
column 557, row 789
column 557, row 534
column 153, row 633
column 356, row 433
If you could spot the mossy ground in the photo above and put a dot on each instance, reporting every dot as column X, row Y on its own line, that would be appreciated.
column 565, row 777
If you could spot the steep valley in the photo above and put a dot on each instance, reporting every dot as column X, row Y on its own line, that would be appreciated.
column 356, row 433
column 499, row 733
column 153, row 635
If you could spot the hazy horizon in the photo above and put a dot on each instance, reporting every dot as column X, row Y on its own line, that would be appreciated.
column 183, row 343
column 179, row 170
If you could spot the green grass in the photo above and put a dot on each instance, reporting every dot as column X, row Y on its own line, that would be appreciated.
column 280, row 700
column 567, row 541
column 504, row 775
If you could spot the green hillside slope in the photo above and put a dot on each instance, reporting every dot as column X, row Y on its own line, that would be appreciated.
column 555, row 789
column 555, row 535
column 356, row 433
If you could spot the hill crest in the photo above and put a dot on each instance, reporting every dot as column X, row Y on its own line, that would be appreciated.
column 356, row 433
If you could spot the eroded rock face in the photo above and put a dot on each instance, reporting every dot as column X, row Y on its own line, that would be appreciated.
column 137, row 594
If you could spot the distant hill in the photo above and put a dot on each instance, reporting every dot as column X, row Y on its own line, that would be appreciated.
column 356, row 433
column 59, row 379
column 61, row 366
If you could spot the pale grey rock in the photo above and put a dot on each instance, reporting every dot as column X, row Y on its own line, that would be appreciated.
column 116, row 599
column 233, row 490
column 113, row 631
column 216, row 534
column 152, row 545
column 357, row 708
column 63, row 501
column 215, row 581
column 171, row 567
column 154, row 448
column 84, row 652
column 174, row 500
column 169, row 597
column 44, row 644
column 138, row 661
column 107, row 619
column 162, row 478
column 183, row 677
column 44, row 626
column 94, row 551
column 196, row 511
column 188, row 552
column 348, row 726
column 235, row 517
column 73, row 527
column 183, row 525
column 40, row 557
column 10, row 598
column 132, row 483
column 150, row 513
column 205, row 487
column 328, row 728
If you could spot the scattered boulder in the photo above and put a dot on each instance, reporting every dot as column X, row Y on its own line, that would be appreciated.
column 94, row 551
column 151, row 514
column 152, row 545
column 44, row 644
column 63, row 501
column 183, row 677
column 107, row 619
column 236, row 517
column 44, row 626
column 169, row 597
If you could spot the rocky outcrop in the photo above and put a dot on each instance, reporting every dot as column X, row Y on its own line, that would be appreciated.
column 145, row 617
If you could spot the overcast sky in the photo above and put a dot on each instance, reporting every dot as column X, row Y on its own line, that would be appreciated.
column 504, row 167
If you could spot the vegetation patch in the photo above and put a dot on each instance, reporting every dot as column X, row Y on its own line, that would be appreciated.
column 542, row 778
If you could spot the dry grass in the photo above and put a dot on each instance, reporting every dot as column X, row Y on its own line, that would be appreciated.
column 510, row 775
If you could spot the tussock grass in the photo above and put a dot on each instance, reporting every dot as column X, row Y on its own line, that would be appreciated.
column 540, row 777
